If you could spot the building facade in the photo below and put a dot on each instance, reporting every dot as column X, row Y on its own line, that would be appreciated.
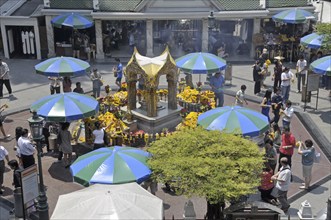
column 150, row 25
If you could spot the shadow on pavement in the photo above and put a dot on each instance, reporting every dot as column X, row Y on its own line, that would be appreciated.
column 326, row 117
column 57, row 171
column 296, row 179
column 166, row 206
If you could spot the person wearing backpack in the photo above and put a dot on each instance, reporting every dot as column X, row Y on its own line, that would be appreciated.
column 307, row 152
column 283, row 180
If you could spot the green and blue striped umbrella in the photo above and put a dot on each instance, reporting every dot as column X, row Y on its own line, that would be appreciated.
column 293, row 16
column 111, row 165
column 63, row 66
column 199, row 62
column 73, row 20
column 312, row 40
column 66, row 107
column 322, row 66
column 234, row 119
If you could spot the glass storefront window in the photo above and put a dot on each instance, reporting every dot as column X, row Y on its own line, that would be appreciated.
column 120, row 37
column 182, row 36
column 231, row 38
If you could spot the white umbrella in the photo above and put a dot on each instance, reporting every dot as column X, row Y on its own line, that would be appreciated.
column 123, row 201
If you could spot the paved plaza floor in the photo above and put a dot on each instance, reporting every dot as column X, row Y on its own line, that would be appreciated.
column 29, row 87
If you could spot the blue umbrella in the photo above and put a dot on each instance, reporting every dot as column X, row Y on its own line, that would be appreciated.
column 293, row 16
column 312, row 40
column 234, row 119
column 73, row 20
column 322, row 66
column 197, row 63
column 62, row 66
column 111, row 165
column 66, row 107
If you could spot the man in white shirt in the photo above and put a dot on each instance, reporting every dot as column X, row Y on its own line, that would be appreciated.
column 286, row 78
column 301, row 72
column 283, row 180
column 27, row 149
column 4, row 78
column 287, row 113
column 3, row 156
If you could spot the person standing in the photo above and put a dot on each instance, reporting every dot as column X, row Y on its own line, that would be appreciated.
column 270, row 154
column 4, row 78
column 119, row 71
column 3, row 156
column 307, row 152
column 287, row 147
column 287, row 113
column 216, row 84
column 77, row 41
column 240, row 96
column 66, row 84
column 266, row 104
column 276, row 105
column 301, row 72
column 98, row 134
column 97, row 82
column 278, row 69
column 2, row 108
column 13, row 164
column 65, row 144
column 277, row 136
column 26, row 148
column 257, row 77
column 286, row 77
column 283, row 181
column 55, row 84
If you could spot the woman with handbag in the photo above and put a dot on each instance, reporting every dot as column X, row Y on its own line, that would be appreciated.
column 97, row 82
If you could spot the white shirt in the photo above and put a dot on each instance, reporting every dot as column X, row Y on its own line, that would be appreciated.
column 284, row 175
column 240, row 95
column 98, row 134
column 285, row 76
column 3, row 153
column 4, row 71
column 25, row 146
column 55, row 81
column 288, row 113
column 301, row 65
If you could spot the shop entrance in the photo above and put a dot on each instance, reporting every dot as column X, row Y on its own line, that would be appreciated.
column 21, row 42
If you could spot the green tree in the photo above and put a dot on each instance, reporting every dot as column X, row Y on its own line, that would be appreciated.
column 325, row 29
column 208, row 164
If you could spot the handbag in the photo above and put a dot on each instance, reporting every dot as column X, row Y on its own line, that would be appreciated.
column 100, row 82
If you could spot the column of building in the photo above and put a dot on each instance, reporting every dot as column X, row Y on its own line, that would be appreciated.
column 50, row 36
column 99, row 40
column 149, row 38
column 205, row 33
column 256, row 29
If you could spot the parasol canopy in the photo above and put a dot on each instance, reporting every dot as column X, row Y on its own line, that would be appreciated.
column 322, row 66
column 62, row 66
column 312, row 40
column 73, row 20
column 234, row 119
column 111, row 165
column 66, row 107
column 197, row 63
column 293, row 16
column 122, row 201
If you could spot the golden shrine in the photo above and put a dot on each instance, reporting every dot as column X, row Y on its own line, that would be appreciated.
column 151, row 69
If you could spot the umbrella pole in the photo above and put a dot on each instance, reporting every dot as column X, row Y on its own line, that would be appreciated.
column 291, row 55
